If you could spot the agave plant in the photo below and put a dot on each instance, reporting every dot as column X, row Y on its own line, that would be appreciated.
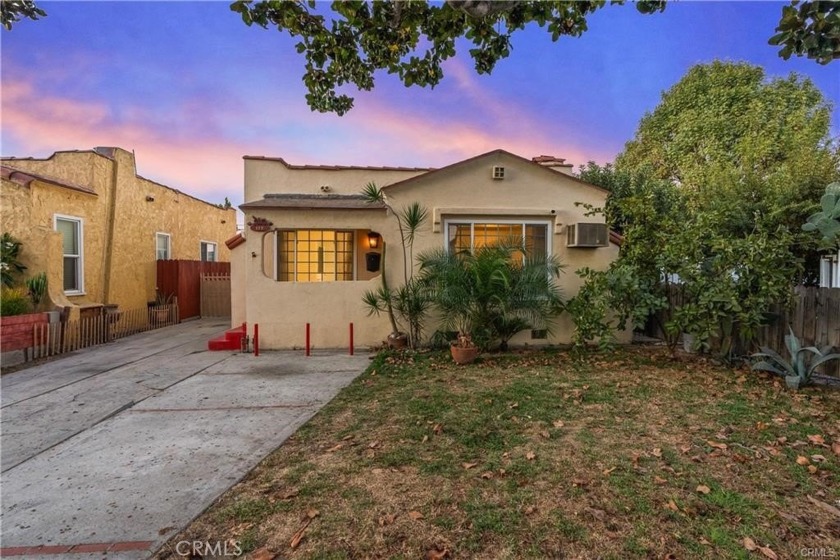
column 803, row 361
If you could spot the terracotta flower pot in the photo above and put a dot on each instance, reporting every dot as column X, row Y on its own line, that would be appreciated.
column 397, row 341
column 463, row 354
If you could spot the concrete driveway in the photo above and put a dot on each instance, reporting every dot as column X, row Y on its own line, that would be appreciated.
column 115, row 448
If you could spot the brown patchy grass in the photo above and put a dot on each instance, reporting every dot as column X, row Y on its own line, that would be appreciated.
column 535, row 455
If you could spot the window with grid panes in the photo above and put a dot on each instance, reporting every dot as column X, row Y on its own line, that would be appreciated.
column 468, row 236
column 314, row 255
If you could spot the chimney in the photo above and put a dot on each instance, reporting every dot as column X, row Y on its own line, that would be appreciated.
column 554, row 163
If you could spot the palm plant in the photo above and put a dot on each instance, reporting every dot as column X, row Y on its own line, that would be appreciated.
column 493, row 292
column 408, row 302
column 799, row 371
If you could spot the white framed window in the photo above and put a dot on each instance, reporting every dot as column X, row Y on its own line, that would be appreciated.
column 208, row 251
column 163, row 246
column 71, row 229
column 468, row 235
column 314, row 255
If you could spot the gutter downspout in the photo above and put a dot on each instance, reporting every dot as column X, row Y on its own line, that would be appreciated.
column 108, row 249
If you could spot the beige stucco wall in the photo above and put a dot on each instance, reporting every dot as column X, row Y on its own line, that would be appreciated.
column 119, row 224
column 267, row 176
column 467, row 191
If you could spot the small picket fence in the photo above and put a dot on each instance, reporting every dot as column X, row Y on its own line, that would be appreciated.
column 51, row 339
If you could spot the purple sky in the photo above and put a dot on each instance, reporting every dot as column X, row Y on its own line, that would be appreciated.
column 191, row 89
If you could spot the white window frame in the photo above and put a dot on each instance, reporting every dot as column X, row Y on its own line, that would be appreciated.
column 80, row 270
column 168, row 245
column 549, row 248
column 215, row 250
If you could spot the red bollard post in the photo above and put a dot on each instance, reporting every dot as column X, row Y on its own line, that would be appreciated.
column 256, row 339
column 307, row 339
column 351, row 339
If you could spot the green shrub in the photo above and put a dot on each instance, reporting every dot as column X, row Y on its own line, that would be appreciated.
column 13, row 301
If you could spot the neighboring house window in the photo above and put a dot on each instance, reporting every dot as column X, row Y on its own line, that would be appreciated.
column 467, row 236
column 70, row 229
column 163, row 246
column 314, row 255
column 208, row 251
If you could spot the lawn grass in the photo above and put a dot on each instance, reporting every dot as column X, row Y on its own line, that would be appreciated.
column 633, row 454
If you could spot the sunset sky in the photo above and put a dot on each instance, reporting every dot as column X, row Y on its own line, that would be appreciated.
column 191, row 89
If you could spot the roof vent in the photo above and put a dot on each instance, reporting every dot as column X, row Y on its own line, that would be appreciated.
column 498, row 172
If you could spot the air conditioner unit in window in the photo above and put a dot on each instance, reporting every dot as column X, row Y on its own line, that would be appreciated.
column 498, row 172
column 587, row 235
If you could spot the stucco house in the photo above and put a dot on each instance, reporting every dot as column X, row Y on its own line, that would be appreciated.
column 97, row 228
column 303, row 258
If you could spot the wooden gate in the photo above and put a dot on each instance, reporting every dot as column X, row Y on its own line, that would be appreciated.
column 183, row 279
column 215, row 295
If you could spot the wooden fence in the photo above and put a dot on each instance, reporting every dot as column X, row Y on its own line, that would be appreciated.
column 814, row 316
column 51, row 339
column 215, row 295
column 182, row 279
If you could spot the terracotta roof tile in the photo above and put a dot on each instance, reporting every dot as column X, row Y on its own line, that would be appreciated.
column 26, row 177
column 314, row 201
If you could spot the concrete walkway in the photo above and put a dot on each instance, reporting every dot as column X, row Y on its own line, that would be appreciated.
column 116, row 448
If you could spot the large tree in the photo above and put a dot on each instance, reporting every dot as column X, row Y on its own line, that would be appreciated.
column 750, row 149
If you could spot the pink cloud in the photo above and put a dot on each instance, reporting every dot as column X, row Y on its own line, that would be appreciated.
column 35, row 124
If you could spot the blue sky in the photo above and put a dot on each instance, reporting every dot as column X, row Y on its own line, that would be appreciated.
column 191, row 89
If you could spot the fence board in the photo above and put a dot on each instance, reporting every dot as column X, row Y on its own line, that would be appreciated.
column 215, row 295
column 183, row 279
column 51, row 339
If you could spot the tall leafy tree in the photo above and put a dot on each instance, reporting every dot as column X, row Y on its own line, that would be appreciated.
column 746, row 151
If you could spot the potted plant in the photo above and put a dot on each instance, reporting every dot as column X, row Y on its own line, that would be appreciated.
column 490, row 294
column 161, row 310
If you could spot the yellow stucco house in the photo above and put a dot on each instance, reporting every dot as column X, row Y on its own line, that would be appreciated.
column 97, row 228
column 303, row 258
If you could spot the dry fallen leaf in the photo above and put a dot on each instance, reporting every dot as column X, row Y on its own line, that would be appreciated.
column 435, row 554
column 703, row 489
column 608, row 471
column 425, row 439
column 336, row 447
column 827, row 507
column 672, row 506
column 657, row 452
column 289, row 495
column 438, row 428
column 373, row 444
column 345, row 438
column 416, row 515
column 262, row 554
column 836, row 447
column 685, row 448
column 659, row 480
column 387, row 519
column 530, row 455
column 529, row 510
column 765, row 550
column 468, row 465
column 812, row 469
column 312, row 513
column 749, row 544
column 717, row 445
column 817, row 439
column 560, row 424
column 818, row 458
column 298, row 536
column 800, row 460
column 545, row 434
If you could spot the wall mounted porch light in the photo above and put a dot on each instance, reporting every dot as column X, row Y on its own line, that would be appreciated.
column 373, row 239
